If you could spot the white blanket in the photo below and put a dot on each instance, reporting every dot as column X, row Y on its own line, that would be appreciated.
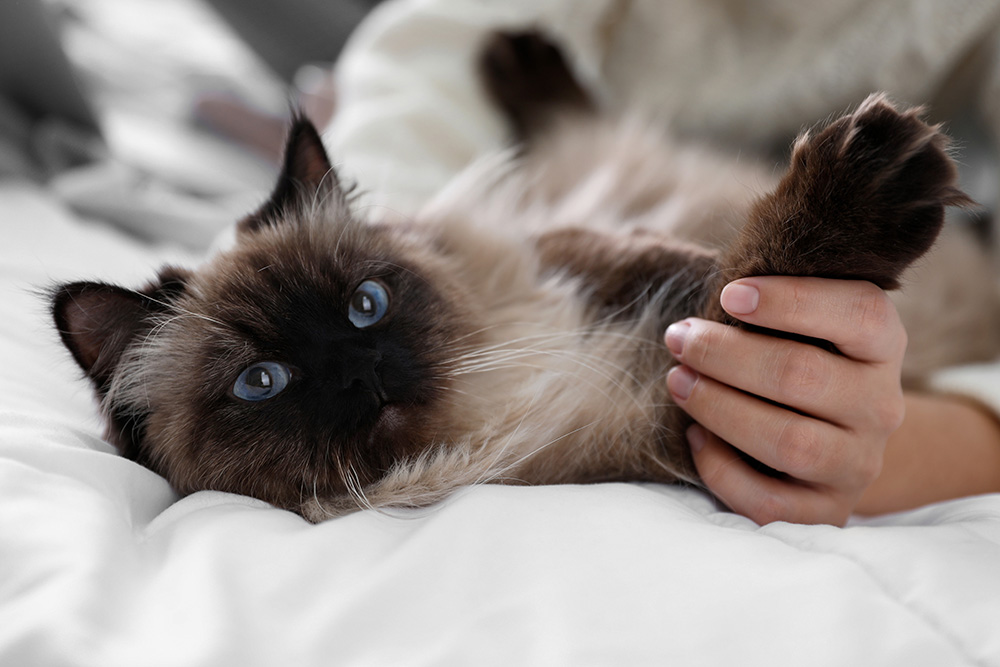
column 102, row 564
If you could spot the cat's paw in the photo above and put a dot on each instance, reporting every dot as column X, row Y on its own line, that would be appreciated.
column 863, row 198
column 528, row 77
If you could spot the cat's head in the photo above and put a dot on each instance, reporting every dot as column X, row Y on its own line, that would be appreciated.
column 305, row 362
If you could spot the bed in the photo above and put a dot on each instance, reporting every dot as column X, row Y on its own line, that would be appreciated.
column 102, row 564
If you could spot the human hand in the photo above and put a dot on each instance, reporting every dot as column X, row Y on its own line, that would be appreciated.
column 834, row 413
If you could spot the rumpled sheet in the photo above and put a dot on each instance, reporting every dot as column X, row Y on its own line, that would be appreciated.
column 102, row 564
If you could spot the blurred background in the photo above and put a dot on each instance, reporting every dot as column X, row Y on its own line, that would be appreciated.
column 162, row 113
column 166, row 117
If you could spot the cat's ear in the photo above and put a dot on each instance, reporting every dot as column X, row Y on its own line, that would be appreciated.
column 97, row 321
column 306, row 177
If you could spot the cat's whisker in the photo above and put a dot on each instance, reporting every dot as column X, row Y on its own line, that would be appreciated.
column 352, row 483
column 173, row 306
column 322, row 459
column 500, row 353
column 612, row 373
column 558, row 336
column 510, row 363
column 463, row 392
column 596, row 386
column 317, row 503
column 630, row 345
column 552, row 336
column 511, row 437
column 534, row 452
column 357, row 490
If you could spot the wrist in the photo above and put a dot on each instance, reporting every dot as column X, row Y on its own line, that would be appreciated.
column 948, row 447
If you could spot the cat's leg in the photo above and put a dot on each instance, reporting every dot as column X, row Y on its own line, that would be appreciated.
column 621, row 274
column 528, row 78
column 863, row 199
column 567, row 142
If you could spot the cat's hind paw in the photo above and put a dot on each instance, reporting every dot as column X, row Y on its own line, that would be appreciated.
column 527, row 76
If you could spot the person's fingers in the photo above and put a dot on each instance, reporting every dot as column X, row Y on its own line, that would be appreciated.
column 762, row 498
column 799, row 375
column 820, row 418
column 856, row 316
column 803, row 447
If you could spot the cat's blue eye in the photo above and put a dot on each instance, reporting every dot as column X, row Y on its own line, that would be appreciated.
column 368, row 304
column 262, row 381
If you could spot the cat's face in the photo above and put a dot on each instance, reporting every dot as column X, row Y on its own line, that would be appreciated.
column 306, row 361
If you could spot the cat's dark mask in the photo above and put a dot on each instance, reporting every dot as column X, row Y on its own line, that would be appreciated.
column 306, row 360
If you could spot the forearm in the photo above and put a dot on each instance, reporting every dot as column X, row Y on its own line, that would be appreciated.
column 948, row 447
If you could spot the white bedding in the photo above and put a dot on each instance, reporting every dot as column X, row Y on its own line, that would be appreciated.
column 102, row 564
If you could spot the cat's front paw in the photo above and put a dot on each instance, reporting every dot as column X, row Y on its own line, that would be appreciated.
column 863, row 198
column 527, row 76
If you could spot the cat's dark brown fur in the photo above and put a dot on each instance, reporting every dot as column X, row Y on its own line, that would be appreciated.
column 522, row 342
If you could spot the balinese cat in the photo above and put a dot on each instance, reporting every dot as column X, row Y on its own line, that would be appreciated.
column 512, row 332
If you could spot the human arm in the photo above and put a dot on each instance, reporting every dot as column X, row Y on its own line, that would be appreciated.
column 947, row 447
column 838, row 445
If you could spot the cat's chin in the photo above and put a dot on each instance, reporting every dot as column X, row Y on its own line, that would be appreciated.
column 390, row 424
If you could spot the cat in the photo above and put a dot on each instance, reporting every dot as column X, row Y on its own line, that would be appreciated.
column 511, row 332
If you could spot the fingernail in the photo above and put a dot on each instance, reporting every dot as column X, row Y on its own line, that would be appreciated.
column 681, row 381
column 676, row 333
column 740, row 299
column 696, row 437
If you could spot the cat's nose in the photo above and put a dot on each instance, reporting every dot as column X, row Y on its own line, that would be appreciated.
column 359, row 372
